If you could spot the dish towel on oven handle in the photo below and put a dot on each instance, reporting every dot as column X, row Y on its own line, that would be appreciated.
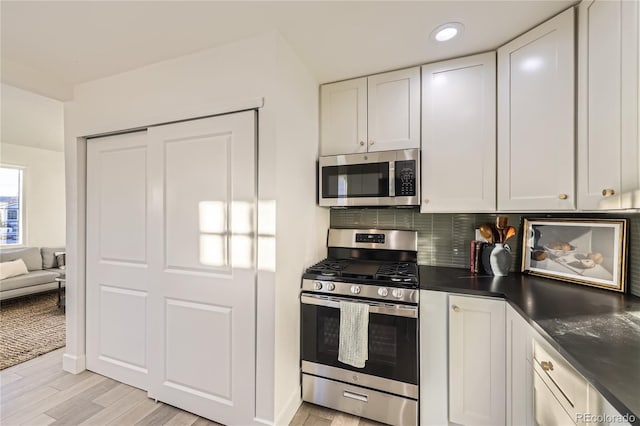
column 353, row 346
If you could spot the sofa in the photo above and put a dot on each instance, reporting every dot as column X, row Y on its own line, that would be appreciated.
column 42, row 266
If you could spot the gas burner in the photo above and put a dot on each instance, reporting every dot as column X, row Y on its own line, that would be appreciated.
column 397, row 279
column 329, row 267
column 397, row 272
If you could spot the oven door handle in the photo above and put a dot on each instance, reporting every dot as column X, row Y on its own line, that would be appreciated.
column 374, row 307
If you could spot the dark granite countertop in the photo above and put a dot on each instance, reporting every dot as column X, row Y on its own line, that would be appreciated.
column 597, row 331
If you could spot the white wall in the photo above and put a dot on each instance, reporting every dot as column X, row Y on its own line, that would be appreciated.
column 301, row 224
column 31, row 120
column 44, row 192
column 200, row 84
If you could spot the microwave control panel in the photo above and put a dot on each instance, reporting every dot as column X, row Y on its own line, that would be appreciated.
column 405, row 178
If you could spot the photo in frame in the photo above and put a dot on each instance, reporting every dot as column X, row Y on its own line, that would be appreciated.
column 585, row 251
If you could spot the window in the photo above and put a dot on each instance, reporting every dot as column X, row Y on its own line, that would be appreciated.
column 11, row 199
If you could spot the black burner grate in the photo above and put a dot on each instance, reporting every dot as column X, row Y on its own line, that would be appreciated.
column 398, row 272
column 329, row 267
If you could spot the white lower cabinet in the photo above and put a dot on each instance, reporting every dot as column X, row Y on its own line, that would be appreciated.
column 566, row 389
column 602, row 413
column 476, row 360
column 482, row 363
column 433, row 358
column 519, row 378
column 547, row 408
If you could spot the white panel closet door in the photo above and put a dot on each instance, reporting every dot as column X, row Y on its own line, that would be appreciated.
column 202, row 205
column 118, row 257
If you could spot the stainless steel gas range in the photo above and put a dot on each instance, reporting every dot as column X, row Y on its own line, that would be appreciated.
column 377, row 268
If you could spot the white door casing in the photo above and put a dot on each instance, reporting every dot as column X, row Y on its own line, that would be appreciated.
column 118, row 257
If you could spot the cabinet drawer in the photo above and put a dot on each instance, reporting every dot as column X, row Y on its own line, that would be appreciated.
column 570, row 388
column 548, row 410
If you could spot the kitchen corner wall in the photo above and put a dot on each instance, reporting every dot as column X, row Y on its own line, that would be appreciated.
column 444, row 239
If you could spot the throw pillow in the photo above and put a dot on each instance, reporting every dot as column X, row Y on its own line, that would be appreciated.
column 61, row 259
column 13, row 269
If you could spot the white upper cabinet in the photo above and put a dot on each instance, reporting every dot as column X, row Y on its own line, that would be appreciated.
column 459, row 135
column 376, row 113
column 608, row 176
column 343, row 117
column 536, row 118
column 394, row 110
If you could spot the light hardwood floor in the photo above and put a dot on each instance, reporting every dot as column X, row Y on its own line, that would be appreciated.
column 38, row 392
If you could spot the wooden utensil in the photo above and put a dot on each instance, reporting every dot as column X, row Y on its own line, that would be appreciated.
column 501, row 225
column 511, row 231
column 486, row 230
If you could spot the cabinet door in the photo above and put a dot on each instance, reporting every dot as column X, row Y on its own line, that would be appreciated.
column 519, row 370
column 476, row 361
column 343, row 117
column 608, row 105
column 547, row 409
column 433, row 358
column 459, row 135
column 394, row 110
column 536, row 118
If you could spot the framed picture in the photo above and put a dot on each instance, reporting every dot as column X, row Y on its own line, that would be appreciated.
column 585, row 251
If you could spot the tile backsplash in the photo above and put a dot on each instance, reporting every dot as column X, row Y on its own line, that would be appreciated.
column 444, row 238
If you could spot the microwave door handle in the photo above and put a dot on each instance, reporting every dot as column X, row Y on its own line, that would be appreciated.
column 392, row 178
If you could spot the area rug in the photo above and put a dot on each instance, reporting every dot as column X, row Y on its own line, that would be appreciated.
column 30, row 326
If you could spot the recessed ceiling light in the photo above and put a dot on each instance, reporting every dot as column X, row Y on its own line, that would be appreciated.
column 447, row 31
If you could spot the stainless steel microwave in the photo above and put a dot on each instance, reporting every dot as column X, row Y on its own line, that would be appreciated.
column 384, row 178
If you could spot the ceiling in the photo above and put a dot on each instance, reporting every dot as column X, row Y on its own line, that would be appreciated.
column 50, row 46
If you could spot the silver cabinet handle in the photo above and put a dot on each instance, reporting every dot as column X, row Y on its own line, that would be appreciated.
column 361, row 143
column 608, row 192
column 356, row 396
column 455, row 308
column 563, row 196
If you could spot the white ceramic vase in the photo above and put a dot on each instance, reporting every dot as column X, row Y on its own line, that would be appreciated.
column 500, row 260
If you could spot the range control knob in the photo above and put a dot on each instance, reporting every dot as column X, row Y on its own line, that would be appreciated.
column 397, row 293
column 355, row 289
column 383, row 292
column 331, row 286
column 317, row 285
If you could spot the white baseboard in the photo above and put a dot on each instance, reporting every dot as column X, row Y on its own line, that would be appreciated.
column 74, row 364
column 262, row 421
column 290, row 408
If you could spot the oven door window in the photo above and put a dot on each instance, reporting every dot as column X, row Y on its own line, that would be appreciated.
column 357, row 180
column 393, row 343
